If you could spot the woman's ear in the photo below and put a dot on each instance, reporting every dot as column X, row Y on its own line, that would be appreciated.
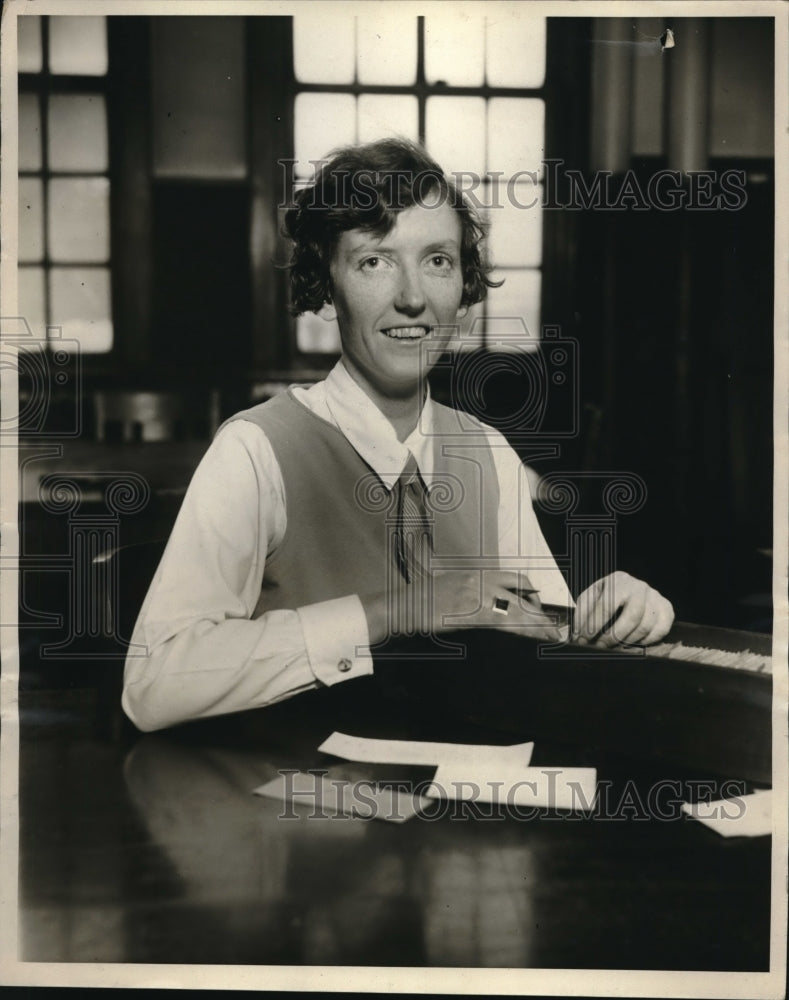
column 327, row 311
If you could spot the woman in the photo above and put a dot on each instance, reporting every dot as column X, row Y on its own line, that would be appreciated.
column 328, row 519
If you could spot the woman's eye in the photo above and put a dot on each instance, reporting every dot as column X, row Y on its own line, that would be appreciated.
column 439, row 260
column 371, row 263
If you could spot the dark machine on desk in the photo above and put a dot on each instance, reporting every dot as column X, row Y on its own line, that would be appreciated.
column 701, row 700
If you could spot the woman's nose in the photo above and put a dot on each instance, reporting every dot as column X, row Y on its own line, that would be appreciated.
column 410, row 297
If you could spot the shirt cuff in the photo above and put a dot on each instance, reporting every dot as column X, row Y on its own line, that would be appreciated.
column 337, row 639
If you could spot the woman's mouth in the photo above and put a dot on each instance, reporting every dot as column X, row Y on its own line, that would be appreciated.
column 406, row 332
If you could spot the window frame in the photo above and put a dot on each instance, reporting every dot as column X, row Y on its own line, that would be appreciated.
column 44, row 85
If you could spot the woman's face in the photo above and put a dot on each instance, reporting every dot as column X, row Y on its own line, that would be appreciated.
column 395, row 295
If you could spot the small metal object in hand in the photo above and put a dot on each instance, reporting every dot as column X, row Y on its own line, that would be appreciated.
column 501, row 605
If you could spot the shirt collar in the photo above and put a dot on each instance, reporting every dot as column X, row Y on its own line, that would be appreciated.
column 371, row 434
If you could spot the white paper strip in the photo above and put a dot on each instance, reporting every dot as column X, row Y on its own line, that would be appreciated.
column 742, row 816
column 324, row 797
column 541, row 787
column 371, row 751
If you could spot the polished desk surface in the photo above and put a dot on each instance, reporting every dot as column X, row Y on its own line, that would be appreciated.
column 153, row 849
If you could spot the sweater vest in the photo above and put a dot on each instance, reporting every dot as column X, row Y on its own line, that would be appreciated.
column 341, row 518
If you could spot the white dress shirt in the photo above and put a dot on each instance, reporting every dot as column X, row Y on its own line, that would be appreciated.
column 196, row 651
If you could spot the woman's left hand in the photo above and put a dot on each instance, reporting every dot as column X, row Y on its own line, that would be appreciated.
column 640, row 614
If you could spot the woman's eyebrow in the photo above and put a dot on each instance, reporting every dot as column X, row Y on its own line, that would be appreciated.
column 448, row 244
column 374, row 246
column 367, row 246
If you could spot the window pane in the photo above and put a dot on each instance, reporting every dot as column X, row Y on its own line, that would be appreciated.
column 454, row 50
column 29, row 132
column 30, row 287
column 79, row 219
column 322, row 121
column 80, row 305
column 316, row 335
column 516, row 135
column 516, row 226
column 387, row 114
column 29, row 58
column 31, row 219
column 78, row 45
column 515, row 51
column 386, row 47
column 455, row 133
column 514, row 311
column 324, row 49
column 77, row 132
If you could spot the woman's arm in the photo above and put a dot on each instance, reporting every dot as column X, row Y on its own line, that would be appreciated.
column 196, row 650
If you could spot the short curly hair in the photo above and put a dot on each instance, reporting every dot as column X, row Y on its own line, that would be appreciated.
column 365, row 187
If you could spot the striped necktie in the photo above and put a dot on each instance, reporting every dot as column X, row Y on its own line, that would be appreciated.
column 413, row 539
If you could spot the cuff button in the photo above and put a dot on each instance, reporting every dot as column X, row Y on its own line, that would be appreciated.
column 344, row 666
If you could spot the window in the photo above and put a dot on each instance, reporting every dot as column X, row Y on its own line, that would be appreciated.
column 64, row 186
column 481, row 116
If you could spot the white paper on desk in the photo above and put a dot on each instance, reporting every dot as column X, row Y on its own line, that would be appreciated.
column 743, row 816
column 326, row 797
column 541, row 787
column 371, row 751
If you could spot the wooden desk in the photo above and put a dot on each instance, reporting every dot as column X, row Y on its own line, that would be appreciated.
column 153, row 849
